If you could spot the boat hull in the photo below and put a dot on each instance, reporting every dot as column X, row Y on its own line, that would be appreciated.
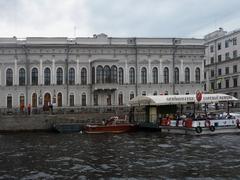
column 96, row 129
column 204, row 131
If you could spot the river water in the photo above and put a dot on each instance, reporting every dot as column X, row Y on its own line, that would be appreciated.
column 140, row 155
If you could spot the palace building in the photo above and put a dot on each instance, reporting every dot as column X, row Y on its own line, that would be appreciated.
column 98, row 70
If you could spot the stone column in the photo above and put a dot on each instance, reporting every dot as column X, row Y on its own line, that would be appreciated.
column 160, row 74
column 89, row 74
column 149, row 77
column 202, row 72
column 53, row 74
column 77, row 72
column 15, row 75
column 181, row 72
column 125, row 75
column 40, row 80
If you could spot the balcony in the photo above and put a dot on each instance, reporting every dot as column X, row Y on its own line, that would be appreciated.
column 105, row 86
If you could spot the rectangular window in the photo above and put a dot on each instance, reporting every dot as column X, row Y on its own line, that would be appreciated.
column 227, row 83
column 235, row 82
column 234, row 41
column 227, row 57
column 226, row 44
column 95, row 99
column 219, row 46
column 212, row 85
column 235, row 54
column 205, row 75
column 212, row 73
column 84, row 100
column 220, row 85
column 9, row 101
column 226, row 70
column 211, row 48
column 219, row 58
column 212, row 60
column 234, row 68
column 71, row 100
column 219, row 72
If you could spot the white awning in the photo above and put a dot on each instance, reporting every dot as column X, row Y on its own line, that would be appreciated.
column 180, row 99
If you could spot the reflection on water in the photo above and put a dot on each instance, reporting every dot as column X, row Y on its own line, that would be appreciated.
column 108, row 156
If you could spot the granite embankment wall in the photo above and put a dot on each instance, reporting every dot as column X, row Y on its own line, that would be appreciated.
column 44, row 122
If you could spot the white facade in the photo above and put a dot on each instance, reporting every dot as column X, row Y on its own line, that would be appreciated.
column 222, row 62
column 72, row 67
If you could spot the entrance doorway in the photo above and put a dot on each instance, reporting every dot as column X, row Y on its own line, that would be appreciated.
column 47, row 101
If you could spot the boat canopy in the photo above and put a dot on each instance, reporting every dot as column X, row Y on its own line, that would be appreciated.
column 180, row 99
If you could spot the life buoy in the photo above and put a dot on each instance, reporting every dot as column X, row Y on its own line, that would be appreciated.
column 212, row 128
column 207, row 123
column 184, row 123
column 168, row 122
column 198, row 129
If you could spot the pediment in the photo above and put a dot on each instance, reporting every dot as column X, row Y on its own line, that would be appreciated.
column 155, row 61
column 34, row 61
column 47, row 62
column 143, row 61
column 59, row 61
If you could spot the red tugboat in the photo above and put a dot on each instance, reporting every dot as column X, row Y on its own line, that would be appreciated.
column 112, row 125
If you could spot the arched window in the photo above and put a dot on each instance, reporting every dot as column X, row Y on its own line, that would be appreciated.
column 9, row 77
column 99, row 74
column 144, row 75
column 59, row 76
column 71, row 76
column 176, row 75
column 21, row 77
column 166, row 75
column 155, row 93
column 34, row 76
column 84, row 76
column 34, row 100
column 121, row 76
column 47, row 76
column 59, row 99
column 107, row 74
column 155, row 75
column 84, row 99
column 114, row 74
column 197, row 75
column 187, row 75
column 132, row 76
column 120, row 99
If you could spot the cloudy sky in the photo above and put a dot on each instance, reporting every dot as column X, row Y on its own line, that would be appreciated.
column 117, row 18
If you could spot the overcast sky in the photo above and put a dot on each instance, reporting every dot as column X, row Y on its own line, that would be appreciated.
column 117, row 18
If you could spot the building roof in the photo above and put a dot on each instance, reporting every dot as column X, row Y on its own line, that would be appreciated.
column 180, row 99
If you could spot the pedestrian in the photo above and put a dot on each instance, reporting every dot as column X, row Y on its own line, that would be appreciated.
column 29, row 109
